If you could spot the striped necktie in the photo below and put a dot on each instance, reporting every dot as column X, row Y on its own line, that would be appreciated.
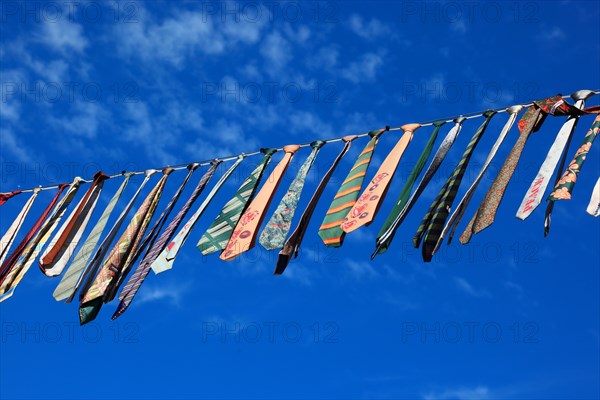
column 119, row 259
column 57, row 255
column 244, row 235
column 531, row 122
column 66, row 286
column 564, row 187
column 458, row 213
column 133, row 284
column 538, row 186
column 365, row 209
column 433, row 222
column 34, row 247
column 218, row 233
column 331, row 231
column 4, row 197
column 593, row 207
column 166, row 258
column 292, row 245
column 403, row 207
column 149, row 240
column 9, row 236
column 8, row 264
column 276, row 230
column 92, row 268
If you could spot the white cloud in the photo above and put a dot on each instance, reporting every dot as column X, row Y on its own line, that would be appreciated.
column 551, row 35
column 364, row 69
column 478, row 393
column 63, row 36
column 170, row 293
column 359, row 269
column 82, row 120
column 467, row 288
column 372, row 29
column 15, row 147
column 458, row 26
column 326, row 57
column 276, row 50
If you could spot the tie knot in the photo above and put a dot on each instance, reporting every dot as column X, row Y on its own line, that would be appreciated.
column 167, row 171
column 489, row 113
column 349, row 138
column 317, row 144
column 193, row 166
column 459, row 120
column 100, row 176
column 582, row 94
column 410, row 127
column 376, row 133
column 291, row 148
column 514, row 109
column 268, row 151
column 437, row 124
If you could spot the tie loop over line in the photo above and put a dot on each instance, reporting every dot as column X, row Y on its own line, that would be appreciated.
column 586, row 93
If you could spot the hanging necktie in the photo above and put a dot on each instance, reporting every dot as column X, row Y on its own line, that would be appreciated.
column 92, row 268
column 292, row 245
column 133, row 284
column 365, row 209
column 536, row 190
column 331, row 231
column 56, row 256
column 218, row 233
column 244, row 235
column 149, row 240
column 276, row 230
column 8, row 238
column 433, row 222
column 66, row 286
column 4, row 197
column 403, row 206
column 122, row 253
column 11, row 261
column 530, row 122
column 458, row 213
column 593, row 207
column 30, row 253
column 564, row 187
column 166, row 258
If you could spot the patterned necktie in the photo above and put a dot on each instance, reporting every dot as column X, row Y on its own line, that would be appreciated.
column 331, row 231
column 67, row 284
column 458, row 213
column 166, row 258
column 244, row 235
column 564, row 187
column 92, row 268
column 365, row 209
column 218, row 233
column 276, row 230
column 536, row 190
column 4, row 197
column 403, row 207
column 13, row 278
column 56, row 256
column 133, row 284
column 531, row 122
column 120, row 257
column 8, row 238
column 292, row 245
column 433, row 222
column 593, row 207
column 16, row 254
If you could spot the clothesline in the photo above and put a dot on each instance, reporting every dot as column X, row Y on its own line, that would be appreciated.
column 178, row 167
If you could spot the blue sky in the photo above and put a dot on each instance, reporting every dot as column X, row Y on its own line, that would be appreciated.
column 145, row 84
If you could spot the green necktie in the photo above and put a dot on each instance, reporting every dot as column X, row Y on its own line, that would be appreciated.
column 276, row 230
column 218, row 233
column 331, row 231
column 433, row 222
column 388, row 226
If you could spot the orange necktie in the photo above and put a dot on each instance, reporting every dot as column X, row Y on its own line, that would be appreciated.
column 244, row 235
column 366, row 207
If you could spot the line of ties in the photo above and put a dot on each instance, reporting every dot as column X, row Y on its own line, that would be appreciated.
column 101, row 267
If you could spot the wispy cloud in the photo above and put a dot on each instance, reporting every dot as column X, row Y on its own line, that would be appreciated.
column 171, row 293
column 364, row 69
column 371, row 29
column 62, row 36
column 476, row 393
column 467, row 288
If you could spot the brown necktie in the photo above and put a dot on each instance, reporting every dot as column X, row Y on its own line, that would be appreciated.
column 365, row 209
column 244, row 235
column 56, row 256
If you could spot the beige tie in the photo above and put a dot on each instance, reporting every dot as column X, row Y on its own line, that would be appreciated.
column 11, row 233
column 366, row 207
column 244, row 235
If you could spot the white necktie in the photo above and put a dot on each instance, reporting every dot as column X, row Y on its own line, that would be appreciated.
column 536, row 190
column 9, row 237
column 594, row 207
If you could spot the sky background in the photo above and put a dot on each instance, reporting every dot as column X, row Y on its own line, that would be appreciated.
column 135, row 85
